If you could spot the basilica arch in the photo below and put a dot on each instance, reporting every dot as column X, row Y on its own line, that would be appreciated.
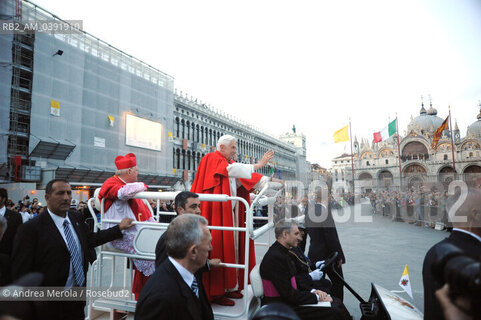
column 414, row 169
column 414, row 175
column 365, row 176
column 415, row 182
column 472, row 173
column 472, row 169
column 365, row 182
column 386, row 152
column 446, row 175
column 470, row 149
column 414, row 150
column 444, row 147
column 385, row 179
column 470, row 144
column 367, row 155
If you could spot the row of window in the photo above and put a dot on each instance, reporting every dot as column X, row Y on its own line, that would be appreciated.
column 187, row 160
column 200, row 134
column 404, row 158
column 413, row 157
column 198, row 138
column 386, row 161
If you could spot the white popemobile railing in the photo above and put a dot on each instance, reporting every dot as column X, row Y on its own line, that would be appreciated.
column 144, row 246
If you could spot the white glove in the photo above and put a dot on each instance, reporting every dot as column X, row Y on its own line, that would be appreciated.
column 316, row 274
column 320, row 264
column 130, row 190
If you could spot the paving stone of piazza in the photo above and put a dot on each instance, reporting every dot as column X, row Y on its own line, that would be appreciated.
column 375, row 252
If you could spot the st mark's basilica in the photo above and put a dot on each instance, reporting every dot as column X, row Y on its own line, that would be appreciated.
column 376, row 165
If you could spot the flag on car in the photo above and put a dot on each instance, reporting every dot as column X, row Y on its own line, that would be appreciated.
column 341, row 135
column 438, row 133
column 386, row 132
column 405, row 282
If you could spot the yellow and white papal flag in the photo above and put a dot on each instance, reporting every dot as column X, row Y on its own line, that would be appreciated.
column 405, row 282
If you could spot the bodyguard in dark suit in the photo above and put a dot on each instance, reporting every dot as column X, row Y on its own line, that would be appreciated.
column 5, row 271
column 175, row 290
column 325, row 240
column 58, row 244
column 14, row 220
column 185, row 202
column 465, row 236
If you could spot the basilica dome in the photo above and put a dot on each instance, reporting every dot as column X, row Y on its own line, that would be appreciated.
column 426, row 121
column 474, row 130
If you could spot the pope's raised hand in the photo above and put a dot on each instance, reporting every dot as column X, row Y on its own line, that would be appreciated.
column 267, row 157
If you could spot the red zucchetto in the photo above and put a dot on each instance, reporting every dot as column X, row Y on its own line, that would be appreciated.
column 125, row 162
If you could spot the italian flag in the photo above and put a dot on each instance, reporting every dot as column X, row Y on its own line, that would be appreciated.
column 386, row 132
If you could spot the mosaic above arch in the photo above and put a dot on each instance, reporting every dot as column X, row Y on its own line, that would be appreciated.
column 444, row 147
column 367, row 155
column 414, row 169
column 385, row 153
column 470, row 145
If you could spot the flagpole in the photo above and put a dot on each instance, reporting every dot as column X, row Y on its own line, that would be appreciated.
column 352, row 156
column 399, row 155
column 452, row 142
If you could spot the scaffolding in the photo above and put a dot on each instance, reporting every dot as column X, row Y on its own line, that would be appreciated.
column 20, row 98
column 103, row 83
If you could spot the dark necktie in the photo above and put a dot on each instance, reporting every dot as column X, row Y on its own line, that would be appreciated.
column 75, row 256
column 195, row 287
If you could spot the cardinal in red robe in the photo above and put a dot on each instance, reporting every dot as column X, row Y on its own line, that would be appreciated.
column 118, row 192
column 219, row 174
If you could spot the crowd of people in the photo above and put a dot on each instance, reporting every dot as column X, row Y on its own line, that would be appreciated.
column 26, row 208
column 189, row 273
column 343, row 200
column 416, row 205
column 30, row 209
column 162, row 206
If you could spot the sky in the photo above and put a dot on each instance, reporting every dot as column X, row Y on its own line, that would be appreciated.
column 313, row 64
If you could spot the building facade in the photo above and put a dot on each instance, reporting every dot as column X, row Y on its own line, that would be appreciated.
column 73, row 103
column 341, row 173
column 320, row 173
column 197, row 127
column 379, row 166
column 298, row 140
column 303, row 167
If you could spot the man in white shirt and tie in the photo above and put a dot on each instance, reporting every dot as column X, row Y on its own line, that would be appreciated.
column 175, row 290
column 58, row 244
